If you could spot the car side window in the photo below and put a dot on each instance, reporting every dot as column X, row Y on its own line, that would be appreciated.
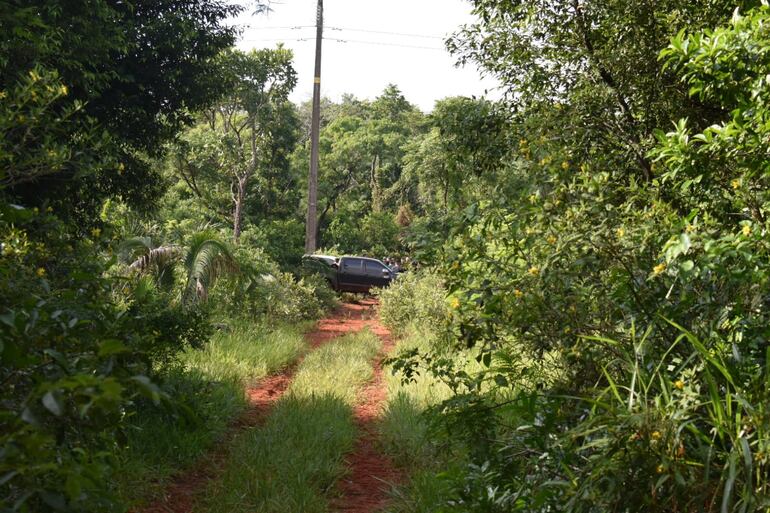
column 374, row 268
column 352, row 265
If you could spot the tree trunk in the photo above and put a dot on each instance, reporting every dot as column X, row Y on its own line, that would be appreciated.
column 238, row 196
column 374, row 180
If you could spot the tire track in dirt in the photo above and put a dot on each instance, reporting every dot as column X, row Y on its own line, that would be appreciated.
column 182, row 493
column 366, row 488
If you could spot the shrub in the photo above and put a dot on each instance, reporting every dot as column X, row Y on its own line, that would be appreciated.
column 77, row 350
column 416, row 298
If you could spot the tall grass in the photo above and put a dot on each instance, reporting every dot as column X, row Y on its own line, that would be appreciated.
column 693, row 422
column 406, row 433
column 208, row 384
column 246, row 353
column 290, row 464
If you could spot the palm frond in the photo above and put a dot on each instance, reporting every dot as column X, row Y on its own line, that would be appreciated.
column 130, row 249
column 159, row 258
column 207, row 259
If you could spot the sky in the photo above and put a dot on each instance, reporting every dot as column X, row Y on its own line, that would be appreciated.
column 394, row 41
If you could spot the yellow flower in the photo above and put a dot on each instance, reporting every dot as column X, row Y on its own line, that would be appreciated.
column 40, row 272
column 689, row 228
column 621, row 232
column 655, row 435
column 517, row 293
column 551, row 239
column 96, row 232
column 659, row 268
column 679, row 384
column 660, row 469
column 455, row 266
column 746, row 230
column 34, row 76
column 121, row 168
column 523, row 142
column 735, row 183
column 2, row 95
column 534, row 270
column 455, row 303
column 565, row 165
column 63, row 90
column 49, row 210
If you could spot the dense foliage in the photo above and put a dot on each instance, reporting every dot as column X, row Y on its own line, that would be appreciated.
column 608, row 261
column 98, row 294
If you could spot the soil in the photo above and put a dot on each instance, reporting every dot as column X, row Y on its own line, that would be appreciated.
column 365, row 488
column 372, row 474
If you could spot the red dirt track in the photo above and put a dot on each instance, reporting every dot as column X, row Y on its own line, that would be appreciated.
column 372, row 473
column 365, row 488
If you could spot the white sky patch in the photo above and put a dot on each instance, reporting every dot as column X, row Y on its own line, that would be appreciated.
column 397, row 41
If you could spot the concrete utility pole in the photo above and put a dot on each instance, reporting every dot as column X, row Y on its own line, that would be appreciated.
column 311, row 228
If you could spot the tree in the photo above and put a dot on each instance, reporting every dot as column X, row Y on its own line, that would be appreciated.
column 598, row 62
column 252, row 129
column 127, row 74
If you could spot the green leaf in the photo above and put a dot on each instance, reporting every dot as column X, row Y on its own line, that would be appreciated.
column 147, row 388
column 28, row 416
column 111, row 347
column 52, row 404
column 8, row 318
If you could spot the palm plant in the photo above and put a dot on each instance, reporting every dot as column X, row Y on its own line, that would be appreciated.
column 205, row 259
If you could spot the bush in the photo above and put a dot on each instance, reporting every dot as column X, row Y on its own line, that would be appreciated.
column 77, row 350
column 416, row 298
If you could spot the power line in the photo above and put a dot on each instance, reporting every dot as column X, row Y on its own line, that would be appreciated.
column 337, row 40
column 367, row 31
column 348, row 29
column 379, row 43
column 281, row 39
column 288, row 27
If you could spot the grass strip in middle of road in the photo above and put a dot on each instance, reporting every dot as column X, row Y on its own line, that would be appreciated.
column 291, row 462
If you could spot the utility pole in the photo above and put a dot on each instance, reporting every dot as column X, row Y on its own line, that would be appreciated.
column 311, row 228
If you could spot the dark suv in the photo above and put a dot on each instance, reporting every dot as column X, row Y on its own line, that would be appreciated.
column 350, row 273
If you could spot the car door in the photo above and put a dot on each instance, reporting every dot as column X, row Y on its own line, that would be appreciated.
column 352, row 277
column 377, row 275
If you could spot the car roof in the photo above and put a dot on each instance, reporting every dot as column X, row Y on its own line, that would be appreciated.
column 363, row 258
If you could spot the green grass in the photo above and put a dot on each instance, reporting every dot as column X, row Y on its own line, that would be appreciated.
column 405, row 433
column 209, row 385
column 247, row 353
column 338, row 368
column 291, row 463
column 430, row 457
